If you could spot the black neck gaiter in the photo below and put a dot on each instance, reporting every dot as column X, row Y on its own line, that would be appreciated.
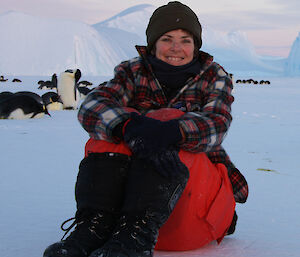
column 173, row 77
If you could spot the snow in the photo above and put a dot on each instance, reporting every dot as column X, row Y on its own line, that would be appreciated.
column 293, row 62
column 235, row 52
column 44, row 46
column 134, row 20
column 40, row 159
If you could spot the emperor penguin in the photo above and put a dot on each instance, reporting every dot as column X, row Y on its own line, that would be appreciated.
column 16, row 80
column 22, row 106
column 2, row 79
column 52, row 101
column 67, row 88
column 45, row 85
column 84, row 91
column 32, row 94
column 5, row 94
column 84, row 83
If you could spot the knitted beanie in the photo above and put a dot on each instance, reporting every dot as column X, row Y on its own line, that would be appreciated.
column 172, row 16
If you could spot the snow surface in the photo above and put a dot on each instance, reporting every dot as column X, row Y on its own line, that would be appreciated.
column 40, row 159
column 32, row 45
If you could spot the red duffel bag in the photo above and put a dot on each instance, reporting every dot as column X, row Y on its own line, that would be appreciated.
column 206, row 208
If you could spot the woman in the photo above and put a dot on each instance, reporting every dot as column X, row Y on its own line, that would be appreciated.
column 154, row 161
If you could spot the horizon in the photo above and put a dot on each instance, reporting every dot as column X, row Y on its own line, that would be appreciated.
column 270, row 26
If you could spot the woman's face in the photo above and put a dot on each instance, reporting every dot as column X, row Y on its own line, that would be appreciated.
column 175, row 47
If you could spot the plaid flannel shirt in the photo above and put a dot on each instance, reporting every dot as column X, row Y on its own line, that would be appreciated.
column 206, row 100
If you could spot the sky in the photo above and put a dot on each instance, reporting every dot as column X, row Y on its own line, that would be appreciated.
column 271, row 25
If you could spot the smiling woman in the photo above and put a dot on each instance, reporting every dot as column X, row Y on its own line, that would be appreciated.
column 175, row 47
column 155, row 175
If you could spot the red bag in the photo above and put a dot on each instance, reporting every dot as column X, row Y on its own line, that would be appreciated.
column 205, row 210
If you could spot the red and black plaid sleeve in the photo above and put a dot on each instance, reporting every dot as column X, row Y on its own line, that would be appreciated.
column 206, row 127
column 103, row 109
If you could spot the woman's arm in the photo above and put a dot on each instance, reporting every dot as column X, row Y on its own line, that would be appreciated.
column 104, row 108
column 205, row 129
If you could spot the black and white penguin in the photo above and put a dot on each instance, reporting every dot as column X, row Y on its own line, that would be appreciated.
column 83, row 92
column 52, row 101
column 36, row 96
column 48, row 84
column 21, row 106
column 67, row 88
column 40, row 82
column 43, row 86
column 5, row 94
column 16, row 80
column 2, row 79
column 84, row 83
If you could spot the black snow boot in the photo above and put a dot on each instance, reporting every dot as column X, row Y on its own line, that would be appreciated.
column 99, row 194
column 92, row 230
column 150, row 199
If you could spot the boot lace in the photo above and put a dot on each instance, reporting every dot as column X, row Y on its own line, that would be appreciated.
column 83, row 222
column 67, row 230
column 140, row 229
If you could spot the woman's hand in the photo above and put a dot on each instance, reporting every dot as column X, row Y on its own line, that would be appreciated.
column 147, row 136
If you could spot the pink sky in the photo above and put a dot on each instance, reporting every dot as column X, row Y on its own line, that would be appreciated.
column 271, row 25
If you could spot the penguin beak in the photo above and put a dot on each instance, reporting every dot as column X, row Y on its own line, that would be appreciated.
column 46, row 110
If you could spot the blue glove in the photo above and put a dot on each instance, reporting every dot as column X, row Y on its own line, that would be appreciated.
column 146, row 136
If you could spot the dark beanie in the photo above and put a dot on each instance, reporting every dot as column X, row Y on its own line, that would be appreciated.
column 172, row 16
